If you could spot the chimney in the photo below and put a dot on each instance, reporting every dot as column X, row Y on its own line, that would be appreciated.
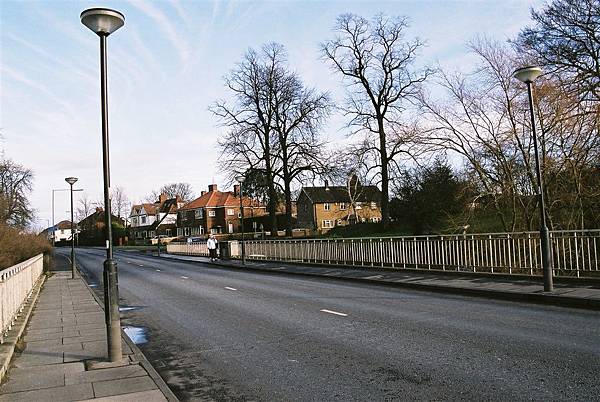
column 162, row 198
column 236, row 190
column 99, row 209
column 212, row 187
column 202, row 193
column 326, row 185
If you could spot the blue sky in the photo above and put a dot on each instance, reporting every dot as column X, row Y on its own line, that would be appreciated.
column 165, row 69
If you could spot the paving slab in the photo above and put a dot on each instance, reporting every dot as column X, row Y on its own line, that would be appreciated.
column 116, row 373
column 66, row 393
column 145, row 396
column 66, row 329
column 123, row 386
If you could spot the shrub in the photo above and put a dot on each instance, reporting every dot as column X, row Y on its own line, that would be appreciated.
column 17, row 246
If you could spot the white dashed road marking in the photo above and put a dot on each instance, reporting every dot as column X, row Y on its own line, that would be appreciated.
column 228, row 288
column 140, row 265
column 184, row 277
column 334, row 312
column 158, row 270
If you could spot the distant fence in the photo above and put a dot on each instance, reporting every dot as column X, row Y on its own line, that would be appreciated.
column 16, row 285
column 573, row 253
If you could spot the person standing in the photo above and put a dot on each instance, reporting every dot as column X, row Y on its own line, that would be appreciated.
column 212, row 245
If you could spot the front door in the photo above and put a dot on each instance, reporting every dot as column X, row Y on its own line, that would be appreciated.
column 230, row 227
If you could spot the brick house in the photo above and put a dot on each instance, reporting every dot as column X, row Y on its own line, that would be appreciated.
column 216, row 212
column 323, row 208
column 154, row 219
column 92, row 229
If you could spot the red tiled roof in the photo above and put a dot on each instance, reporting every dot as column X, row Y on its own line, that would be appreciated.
column 214, row 199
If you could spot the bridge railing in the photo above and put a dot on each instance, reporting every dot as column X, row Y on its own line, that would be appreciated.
column 16, row 285
column 573, row 253
column 188, row 248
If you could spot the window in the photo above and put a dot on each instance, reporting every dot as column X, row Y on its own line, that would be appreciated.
column 195, row 231
column 143, row 219
column 339, row 222
column 133, row 221
column 186, row 231
column 375, row 219
column 212, row 212
column 179, row 232
column 363, row 220
column 326, row 206
column 169, row 232
column 144, row 234
column 152, row 233
column 214, row 231
column 230, row 212
column 343, row 206
column 327, row 224
column 373, row 205
column 198, row 213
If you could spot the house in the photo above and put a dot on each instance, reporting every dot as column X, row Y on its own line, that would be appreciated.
column 216, row 212
column 323, row 208
column 92, row 229
column 153, row 219
column 61, row 231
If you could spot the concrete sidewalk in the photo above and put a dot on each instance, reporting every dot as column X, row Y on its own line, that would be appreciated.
column 67, row 329
column 567, row 293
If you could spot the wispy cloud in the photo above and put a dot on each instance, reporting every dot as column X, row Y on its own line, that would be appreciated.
column 166, row 26
column 52, row 58
column 23, row 79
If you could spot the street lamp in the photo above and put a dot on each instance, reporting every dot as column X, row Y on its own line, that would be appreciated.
column 240, row 179
column 103, row 22
column 71, row 181
column 528, row 75
column 53, row 224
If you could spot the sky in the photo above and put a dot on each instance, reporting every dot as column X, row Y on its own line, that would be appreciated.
column 166, row 67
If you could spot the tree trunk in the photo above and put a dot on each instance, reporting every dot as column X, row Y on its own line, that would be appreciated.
column 385, row 213
column 288, row 204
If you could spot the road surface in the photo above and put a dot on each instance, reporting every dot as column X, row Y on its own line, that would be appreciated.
column 231, row 335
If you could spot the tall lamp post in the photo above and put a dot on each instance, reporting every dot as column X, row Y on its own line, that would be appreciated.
column 527, row 75
column 240, row 179
column 71, row 181
column 103, row 22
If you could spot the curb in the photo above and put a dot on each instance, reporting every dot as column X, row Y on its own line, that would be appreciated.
column 534, row 298
column 138, row 356
column 7, row 348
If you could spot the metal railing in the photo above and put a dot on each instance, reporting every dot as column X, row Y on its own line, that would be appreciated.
column 188, row 248
column 574, row 253
column 16, row 285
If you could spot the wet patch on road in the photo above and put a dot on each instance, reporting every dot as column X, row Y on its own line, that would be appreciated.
column 137, row 334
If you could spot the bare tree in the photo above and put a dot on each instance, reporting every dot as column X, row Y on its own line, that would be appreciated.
column 299, row 115
column 16, row 182
column 377, row 63
column 85, row 207
column 484, row 119
column 251, row 140
column 119, row 202
column 172, row 190
column 565, row 38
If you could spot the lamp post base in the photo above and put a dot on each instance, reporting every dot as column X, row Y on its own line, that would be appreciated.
column 546, row 260
column 111, row 311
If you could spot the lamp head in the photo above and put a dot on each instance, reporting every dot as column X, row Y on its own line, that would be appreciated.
column 240, row 179
column 527, row 74
column 103, row 21
column 71, row 180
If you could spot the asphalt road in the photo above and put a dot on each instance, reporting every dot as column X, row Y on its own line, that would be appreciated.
column 232, row 335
